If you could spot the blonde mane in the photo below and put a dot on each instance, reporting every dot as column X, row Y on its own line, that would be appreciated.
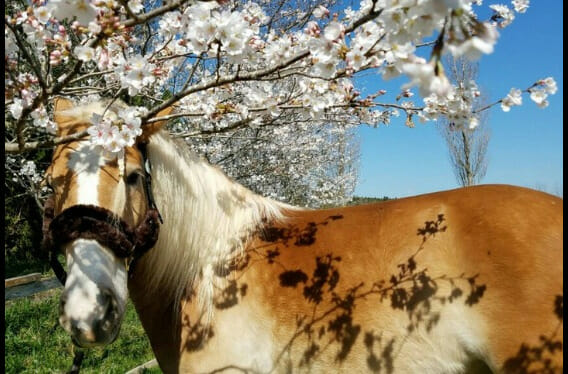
column 207, row 220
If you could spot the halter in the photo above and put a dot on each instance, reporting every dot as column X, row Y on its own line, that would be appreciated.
column 107, row 228
column 100, row 224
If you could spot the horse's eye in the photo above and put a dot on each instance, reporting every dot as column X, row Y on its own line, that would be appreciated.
column 133, row 177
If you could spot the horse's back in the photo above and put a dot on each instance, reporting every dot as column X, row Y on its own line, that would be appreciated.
column 462, row 280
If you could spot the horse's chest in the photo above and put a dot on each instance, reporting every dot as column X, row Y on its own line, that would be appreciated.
column 239, row 339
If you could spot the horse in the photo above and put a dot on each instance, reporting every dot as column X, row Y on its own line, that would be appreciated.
column 461, row 281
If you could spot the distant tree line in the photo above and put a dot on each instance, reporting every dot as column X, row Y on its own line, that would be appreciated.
column 359, row 200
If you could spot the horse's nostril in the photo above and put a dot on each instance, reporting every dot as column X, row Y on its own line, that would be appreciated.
column 106, row 294
column 109, row 304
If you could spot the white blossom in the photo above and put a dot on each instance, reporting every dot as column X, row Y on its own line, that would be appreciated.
column 475, row 46
column 94, row 28
column 83, row 10
column 356, row 58
column 320, row 11
column 513, row 98
column 332, row 31
column 539, row 97
column 42, row 13
column 84, row 53
column 100, row 131
column 425, row 77
column 520, row 6
column 42, row 119
column 136, row 73
column 473, row 123
column 16, row 108
column 135, row 5
column 549, row 85
column 29, row 169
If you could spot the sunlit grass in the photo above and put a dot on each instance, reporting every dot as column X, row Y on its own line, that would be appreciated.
column 35, row 343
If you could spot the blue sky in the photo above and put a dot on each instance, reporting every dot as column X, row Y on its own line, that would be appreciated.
column 526, row 144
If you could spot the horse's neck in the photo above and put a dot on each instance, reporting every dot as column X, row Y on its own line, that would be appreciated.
column 207, row 219
column 176, row 327
column 161, row 322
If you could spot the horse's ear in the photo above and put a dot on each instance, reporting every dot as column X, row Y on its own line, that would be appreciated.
column 152, row 128
column 60, row 105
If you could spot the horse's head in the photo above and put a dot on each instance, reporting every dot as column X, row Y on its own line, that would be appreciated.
column 101, row 215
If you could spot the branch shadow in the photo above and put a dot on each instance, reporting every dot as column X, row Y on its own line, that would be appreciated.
column 411, row 289
column 537, row 358
column 331, row 327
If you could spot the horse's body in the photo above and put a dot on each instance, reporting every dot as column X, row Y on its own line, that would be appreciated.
column 467, row 280
column 438, row 283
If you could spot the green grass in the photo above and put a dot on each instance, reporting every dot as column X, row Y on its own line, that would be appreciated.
column 35, row 343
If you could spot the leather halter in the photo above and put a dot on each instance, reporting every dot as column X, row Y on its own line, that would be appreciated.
column 102, row 225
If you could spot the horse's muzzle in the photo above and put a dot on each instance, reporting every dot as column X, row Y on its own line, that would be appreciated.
column 99, row 328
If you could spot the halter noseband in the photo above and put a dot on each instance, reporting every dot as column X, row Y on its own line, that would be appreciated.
column 102, row 225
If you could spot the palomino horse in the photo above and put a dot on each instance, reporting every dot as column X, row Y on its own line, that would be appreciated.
column 468, row 280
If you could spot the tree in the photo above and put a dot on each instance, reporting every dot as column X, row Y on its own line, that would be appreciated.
column 467, row 145
column 249, row 80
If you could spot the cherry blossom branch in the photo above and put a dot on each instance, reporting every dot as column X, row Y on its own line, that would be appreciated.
column 16, row 148
column 154, row 13
column 488, row 106
column 67, row 78
column 28, row 56
column 256, row 75
column 90, row 75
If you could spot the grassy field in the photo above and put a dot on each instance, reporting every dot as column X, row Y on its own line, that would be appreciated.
column 35, row 343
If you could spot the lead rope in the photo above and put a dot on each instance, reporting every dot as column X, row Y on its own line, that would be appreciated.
column 61, row 274
column 77, row 360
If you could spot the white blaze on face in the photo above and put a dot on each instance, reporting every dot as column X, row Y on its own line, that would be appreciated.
column 86, row 163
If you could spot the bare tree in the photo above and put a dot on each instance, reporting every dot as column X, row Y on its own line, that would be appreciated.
column 467, row 146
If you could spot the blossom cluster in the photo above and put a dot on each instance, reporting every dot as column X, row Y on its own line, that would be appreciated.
column 229, row 67
column 114, row 135
column 301, row 164
column 538, row 93
column 25, row 173
column 26, row 169
column 205, row 32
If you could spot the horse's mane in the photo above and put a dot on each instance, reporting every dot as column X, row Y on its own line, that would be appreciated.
column 208, row 219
